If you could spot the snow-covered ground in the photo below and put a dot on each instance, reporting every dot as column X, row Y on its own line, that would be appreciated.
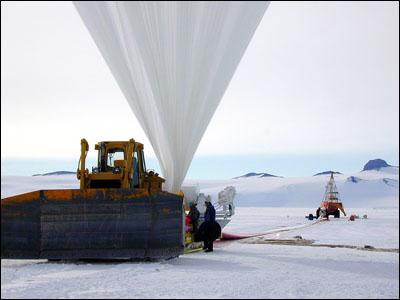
column 276, row 265
column 248, row 268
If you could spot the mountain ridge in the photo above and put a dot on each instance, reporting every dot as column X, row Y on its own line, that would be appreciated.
column 55, row 173
column 375, row 164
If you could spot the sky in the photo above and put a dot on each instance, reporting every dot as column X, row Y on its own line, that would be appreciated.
column 317, row 89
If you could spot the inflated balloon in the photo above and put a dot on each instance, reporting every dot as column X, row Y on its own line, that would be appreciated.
column 173, row 61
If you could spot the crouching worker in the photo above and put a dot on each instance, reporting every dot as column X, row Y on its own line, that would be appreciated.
column 193, row 215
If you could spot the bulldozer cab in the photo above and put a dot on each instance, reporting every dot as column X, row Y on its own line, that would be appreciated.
column 112, row 156
column 119, row 165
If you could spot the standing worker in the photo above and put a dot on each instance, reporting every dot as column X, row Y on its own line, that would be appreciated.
column 318, row 212
column 209, row 217
column 194, row 215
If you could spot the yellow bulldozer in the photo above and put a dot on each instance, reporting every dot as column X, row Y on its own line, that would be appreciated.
column 119, row 165
column 119, row 212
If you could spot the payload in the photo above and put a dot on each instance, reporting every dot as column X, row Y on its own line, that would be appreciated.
column 331, row 204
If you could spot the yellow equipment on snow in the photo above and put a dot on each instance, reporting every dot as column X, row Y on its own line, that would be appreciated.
column 119, row 212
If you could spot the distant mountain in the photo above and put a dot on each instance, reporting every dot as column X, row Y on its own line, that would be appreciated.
column 353, row 179
column 55, row 173
column 391, row 182
column 327, row 173
column 375, row 164
column 255, row 175
column 367, row 189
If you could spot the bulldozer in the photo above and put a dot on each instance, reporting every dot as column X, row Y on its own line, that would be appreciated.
column 119, row 212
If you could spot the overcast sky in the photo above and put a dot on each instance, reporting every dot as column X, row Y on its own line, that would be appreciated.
column 318, row 79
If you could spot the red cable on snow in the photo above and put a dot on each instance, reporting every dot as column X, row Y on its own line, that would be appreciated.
column 237, row 236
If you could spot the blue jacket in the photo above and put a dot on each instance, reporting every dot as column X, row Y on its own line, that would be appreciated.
column 209, row 215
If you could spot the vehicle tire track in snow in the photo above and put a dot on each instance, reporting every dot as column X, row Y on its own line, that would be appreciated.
column 309, row 243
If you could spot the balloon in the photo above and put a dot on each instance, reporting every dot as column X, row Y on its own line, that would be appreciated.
column 173, row 62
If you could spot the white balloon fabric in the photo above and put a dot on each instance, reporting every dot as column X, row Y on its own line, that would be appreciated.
column 173, row 61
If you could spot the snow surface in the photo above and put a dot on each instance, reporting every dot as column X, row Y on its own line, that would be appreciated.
column 249, row 268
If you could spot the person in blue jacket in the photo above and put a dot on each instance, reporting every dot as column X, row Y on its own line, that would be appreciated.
column 209, row 216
